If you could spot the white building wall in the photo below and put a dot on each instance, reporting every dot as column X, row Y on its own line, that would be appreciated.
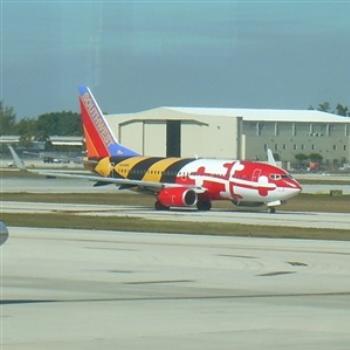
column 327, row 139
column 154, row 138
column 202, row 136
column 215, row 138
column 131, row 135
column 216, row 133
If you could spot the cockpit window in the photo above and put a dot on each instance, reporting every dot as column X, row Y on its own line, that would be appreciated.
column 275, row 177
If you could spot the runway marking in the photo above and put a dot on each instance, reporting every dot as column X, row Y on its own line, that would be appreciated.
column 296, row 263
column 109, row 271
column 120, row 271
column 110, row 248
column 174, row 298
column 277, row 273
column 165, row 281
column 238, row 256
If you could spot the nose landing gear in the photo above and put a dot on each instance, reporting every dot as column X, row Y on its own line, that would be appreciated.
column 272, row 210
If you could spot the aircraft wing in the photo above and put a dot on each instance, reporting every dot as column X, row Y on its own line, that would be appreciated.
column 100, row 180
column 155, row 186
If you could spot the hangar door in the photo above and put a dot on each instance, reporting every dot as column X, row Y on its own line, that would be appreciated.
column 162, row 138
column 153, row 138
column 173, row 138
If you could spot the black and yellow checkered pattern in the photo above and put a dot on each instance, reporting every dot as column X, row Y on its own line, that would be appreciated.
column 152, row 169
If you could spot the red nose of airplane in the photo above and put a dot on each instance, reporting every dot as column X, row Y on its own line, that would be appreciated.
column 292, row 183
column 298, row 185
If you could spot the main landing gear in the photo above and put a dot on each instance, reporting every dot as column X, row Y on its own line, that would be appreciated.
column 159, row 206
column 204, row 205
column 201, row 205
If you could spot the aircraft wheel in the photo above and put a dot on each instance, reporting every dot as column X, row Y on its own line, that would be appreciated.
column 204, row 205
column 272, row 210
column 159, row 206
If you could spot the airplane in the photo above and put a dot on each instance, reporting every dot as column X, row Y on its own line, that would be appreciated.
column 177, row 182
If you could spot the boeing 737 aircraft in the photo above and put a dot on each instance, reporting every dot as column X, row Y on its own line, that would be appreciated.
column 177, row 182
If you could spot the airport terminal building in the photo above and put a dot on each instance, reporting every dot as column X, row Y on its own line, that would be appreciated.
column 234, row 133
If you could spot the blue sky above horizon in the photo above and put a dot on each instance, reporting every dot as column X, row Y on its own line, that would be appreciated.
column 136, row 55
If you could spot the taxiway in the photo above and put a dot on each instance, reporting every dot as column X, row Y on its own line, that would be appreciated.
column 281, row 218
column 76, row 289
column 60, row 185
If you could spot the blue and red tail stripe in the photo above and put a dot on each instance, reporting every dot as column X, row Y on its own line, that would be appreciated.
column 99, row 138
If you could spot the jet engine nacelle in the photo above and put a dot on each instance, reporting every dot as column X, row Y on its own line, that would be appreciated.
column 177, row 197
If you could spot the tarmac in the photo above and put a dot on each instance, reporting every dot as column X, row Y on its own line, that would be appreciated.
column 322, row 220
column 60, row 185
column 76, row 289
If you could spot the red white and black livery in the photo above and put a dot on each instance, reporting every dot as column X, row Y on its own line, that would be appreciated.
column 179, row 182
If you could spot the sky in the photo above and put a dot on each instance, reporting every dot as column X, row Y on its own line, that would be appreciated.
column 136, row 55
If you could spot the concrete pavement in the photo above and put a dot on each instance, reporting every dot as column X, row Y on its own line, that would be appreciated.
column 281, row 218
column 77, row 289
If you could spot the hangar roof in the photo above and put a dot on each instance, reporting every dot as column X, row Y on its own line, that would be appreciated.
column 283, row 115
column 66, row 140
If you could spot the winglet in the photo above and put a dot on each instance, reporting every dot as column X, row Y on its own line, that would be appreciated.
column 270, row 158
column 17, row 160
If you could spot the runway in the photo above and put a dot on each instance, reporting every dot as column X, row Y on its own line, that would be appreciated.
column 60, row 185
column 45, row 185
column 281, row 218
column 75, row 289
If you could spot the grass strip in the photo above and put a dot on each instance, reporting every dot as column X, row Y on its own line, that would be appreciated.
column 303, row 202
column 60, row 220
column 339, row 182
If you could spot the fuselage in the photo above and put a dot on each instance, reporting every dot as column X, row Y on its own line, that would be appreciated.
column 238, row 181
column 178, row 182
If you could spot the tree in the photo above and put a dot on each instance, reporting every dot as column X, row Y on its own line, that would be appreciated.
column 25, row 128
column 58, row 123
column 324, row 107
column 7, row 119
column 301, row 159
column 342, row 110
column 315, row 157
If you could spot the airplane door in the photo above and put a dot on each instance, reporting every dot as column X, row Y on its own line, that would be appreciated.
column 256, row 174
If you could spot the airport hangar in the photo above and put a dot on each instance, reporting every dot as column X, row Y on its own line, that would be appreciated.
column 234, row 133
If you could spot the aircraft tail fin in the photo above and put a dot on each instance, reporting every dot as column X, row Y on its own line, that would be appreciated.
column 99, row 139
column 270, row 158
column 16, row 159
